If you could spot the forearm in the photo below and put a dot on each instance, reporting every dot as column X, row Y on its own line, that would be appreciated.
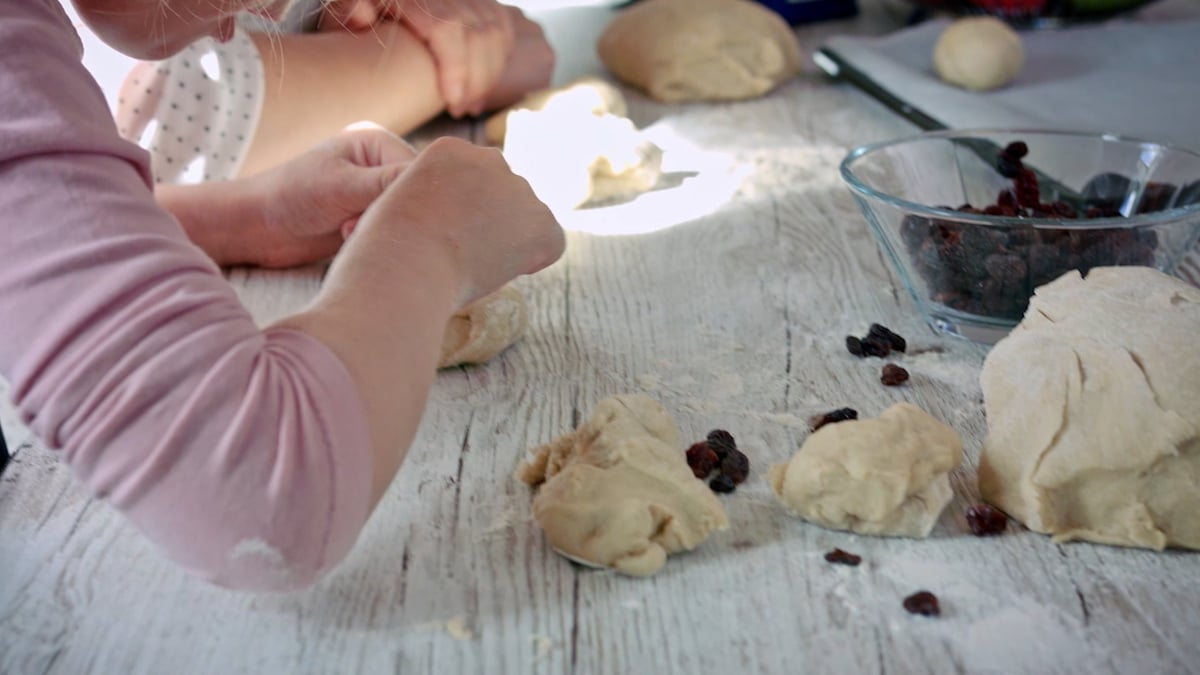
column 319, row 83
column 221, row 218
column 385, row 321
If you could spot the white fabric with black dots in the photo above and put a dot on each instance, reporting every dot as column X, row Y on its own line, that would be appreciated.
column 195, row 112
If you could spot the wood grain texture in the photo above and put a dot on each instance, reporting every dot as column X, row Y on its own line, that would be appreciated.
column 733, row 319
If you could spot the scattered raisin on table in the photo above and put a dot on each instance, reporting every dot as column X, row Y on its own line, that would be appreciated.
column 833, row 416
column 702, row 459
column 854, row 345
column 986, row 521
column 721, row 442
column 736, row 466
column 722, row 483
column 893, row 375
column 923, row 603
column 896, row 342
column 840, row 557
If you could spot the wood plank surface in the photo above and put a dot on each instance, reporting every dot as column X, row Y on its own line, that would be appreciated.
column 733, row 318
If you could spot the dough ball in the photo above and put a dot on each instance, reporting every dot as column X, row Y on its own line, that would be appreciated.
column 978, row 53
column 617, row 492
column 700, row 50
column 1093, row 409
column 484, row 328
column 585, row 96
column 888, row 475
column 571, row 159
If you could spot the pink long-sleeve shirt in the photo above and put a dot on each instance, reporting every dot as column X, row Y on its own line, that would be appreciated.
column 243, row 453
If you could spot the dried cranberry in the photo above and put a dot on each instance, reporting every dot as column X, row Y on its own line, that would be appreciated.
column 721, row 442
column 895, row 341
column 722, row 483
column 923, row 603
column 736, row 466
column 833, row 416
column 893, row 375
column 702, row 459
column 986, row 521
column 840, row 557
column 854, row 345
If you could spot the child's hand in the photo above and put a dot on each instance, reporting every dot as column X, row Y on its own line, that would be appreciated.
column 310, row 201
column 459, row 204
column 470, row 39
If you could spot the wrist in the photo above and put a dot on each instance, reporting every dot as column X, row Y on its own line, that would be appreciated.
column 224, row 219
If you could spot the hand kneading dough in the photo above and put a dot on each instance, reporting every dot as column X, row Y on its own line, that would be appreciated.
column 1093, row 409
column 886, row 476
column 618, row 491
column 484, row 328
column 584, row 97
column 571, row 160
column 700, row 50
column 978, row 53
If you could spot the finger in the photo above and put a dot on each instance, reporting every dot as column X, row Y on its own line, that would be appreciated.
column 448, row 42
column 352, row 15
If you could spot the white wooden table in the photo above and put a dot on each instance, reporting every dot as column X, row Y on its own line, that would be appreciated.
column 734, row 318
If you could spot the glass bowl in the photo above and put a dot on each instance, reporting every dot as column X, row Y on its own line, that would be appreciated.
column 1099, row 200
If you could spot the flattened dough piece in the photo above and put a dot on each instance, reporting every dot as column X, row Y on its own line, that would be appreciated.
column 887, row 476
column 484, row 328
column 583, row 97
column 700, row 50
column 1093, row 409
column 617, row 492
column 571, row 160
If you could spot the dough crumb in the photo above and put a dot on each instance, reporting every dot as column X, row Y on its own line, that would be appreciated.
column 617, row 492
column 457, row 628
column 884, row 476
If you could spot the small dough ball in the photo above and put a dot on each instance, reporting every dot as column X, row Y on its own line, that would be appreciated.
column 617, row 492
column 1093, row 410
column 571, row 160
column 484, row 328
column 700, row 50
column 888, row 475
column 978, row 53
column 585, row 96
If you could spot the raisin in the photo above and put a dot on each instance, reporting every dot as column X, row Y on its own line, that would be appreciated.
column 721, row 442
column 876, row 346
column 854, row 346
column 833, row 416
column 702, row 459
column 893, row 375
column 896, row 342
column 722, row 483
column 923, row 603
column 986, row 521
column 839, row 557
column 736, row 466
column 1016, row 150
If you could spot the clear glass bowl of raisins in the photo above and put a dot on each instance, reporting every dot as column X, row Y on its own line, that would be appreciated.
column 976, row 220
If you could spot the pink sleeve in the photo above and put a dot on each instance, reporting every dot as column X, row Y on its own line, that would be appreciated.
column 243, row 453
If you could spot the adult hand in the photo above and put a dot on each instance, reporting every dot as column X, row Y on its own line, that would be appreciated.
column 470, row 40
column 460, row 205
column 308, row 203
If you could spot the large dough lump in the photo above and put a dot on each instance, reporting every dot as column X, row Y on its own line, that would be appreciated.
column 696, row 50
column 1093, row 408
column 885, row 476
column 617, row 492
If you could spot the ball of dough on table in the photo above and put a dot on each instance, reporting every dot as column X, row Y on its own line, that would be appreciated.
column 617, row 492
column 886, row 476
column 484, row 328
column 978, row 53
column 586, row 96
column 1093, row 409
column 697, row 50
